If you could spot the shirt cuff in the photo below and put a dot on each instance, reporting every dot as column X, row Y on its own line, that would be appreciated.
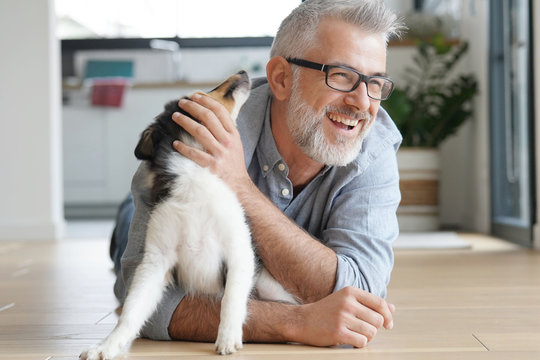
column 350, row 275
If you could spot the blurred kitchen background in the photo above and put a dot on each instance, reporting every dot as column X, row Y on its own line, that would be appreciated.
column 81, row 80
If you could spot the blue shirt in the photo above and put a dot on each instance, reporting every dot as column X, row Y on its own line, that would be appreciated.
column 351, row 209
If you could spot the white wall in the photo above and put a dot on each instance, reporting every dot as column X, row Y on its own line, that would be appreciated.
column 30, row 139
column 465, row 158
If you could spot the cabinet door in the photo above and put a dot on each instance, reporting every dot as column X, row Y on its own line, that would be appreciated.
column 85, row 155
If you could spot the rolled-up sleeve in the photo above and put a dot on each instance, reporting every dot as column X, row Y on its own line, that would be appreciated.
column 363, row 226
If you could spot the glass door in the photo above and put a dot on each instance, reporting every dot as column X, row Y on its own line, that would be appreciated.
column 512, row 135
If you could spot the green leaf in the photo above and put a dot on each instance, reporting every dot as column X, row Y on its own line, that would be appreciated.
column 432, row 105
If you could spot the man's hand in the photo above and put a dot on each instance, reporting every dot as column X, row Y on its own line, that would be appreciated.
column 223, row 153
column 350, row 316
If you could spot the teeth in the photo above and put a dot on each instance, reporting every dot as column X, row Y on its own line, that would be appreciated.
column 341, row 119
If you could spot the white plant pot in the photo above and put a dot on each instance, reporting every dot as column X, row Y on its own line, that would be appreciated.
column 419, row 170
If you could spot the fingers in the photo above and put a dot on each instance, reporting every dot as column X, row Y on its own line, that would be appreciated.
column 381, row 312
column 212, row 115
column 199, row 131
column 362, row 331
column 369, row 316
column 355, row 337
column 199, row 156
column 215, row 132
column 371, row 313
column 219, row 146
column 217, row 108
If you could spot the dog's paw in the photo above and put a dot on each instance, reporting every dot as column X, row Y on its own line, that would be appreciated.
column 98, row 353
column 228, row 342
column 90, row 354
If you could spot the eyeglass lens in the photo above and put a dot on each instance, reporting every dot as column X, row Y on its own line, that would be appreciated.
column 345, row 80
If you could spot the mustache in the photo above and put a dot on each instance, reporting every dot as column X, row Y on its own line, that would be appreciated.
column 349, row 112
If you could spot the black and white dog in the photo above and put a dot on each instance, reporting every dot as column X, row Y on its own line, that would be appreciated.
column 197, row 230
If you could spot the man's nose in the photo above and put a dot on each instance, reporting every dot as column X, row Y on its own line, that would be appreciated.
column 359, row 98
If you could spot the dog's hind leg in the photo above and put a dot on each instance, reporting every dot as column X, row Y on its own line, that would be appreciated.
column 145, row 293
column 239, row 281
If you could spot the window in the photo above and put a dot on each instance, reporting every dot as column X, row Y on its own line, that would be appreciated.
column 80, row 19
column 512, row 123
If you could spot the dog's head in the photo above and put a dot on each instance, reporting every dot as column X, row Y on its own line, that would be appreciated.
column 232, row 94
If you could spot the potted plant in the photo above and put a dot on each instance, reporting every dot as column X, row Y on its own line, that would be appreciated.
column 431, row 106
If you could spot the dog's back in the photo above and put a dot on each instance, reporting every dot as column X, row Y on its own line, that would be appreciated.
column 196, row 227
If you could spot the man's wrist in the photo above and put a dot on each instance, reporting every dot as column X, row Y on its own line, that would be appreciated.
column 245, row 190
column 293, row 328
column 273, row 322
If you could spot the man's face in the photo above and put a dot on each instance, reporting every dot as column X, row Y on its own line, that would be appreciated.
column 329, row 125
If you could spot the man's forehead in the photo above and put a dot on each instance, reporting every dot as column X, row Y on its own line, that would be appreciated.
column 348, row 45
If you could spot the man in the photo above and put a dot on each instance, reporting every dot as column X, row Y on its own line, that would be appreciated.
column 313, row 164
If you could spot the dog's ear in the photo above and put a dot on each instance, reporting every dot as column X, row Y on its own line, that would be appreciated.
column 145, row 149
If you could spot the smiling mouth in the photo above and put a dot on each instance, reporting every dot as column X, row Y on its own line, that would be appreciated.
column 343, row 122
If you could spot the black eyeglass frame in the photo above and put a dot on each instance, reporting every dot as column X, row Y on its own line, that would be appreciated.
column 326, row 68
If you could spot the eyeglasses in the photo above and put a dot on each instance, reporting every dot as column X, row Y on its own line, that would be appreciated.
column 345, row 79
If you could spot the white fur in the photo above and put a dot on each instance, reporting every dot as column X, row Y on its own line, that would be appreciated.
column 197, row 229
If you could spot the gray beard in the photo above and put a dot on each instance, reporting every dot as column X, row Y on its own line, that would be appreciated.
column 306, row 127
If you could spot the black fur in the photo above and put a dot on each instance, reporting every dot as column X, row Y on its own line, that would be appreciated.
column 154, row 146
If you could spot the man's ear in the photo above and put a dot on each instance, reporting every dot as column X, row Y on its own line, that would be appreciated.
column 279, row 75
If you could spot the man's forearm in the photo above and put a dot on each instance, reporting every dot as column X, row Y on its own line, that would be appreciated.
column 349, row 316
column 302, row 264
column 197, row 319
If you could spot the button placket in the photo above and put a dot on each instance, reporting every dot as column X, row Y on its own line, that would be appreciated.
column 285, row 188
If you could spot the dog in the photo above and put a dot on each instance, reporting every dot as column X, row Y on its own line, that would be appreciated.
column 197, row 232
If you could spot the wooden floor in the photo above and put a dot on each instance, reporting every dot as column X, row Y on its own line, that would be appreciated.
column 483, row 303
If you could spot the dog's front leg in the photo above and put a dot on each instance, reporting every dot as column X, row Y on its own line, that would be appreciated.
column 239, row 282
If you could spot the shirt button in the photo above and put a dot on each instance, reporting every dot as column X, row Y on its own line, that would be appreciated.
column 266, row 168
column 285, row 192
column 281, row 167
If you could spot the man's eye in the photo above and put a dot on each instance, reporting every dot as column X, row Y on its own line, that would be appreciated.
column 343, row 75
column 375, row 83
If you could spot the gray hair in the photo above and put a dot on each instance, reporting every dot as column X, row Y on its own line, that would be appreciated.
column 297, row 32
